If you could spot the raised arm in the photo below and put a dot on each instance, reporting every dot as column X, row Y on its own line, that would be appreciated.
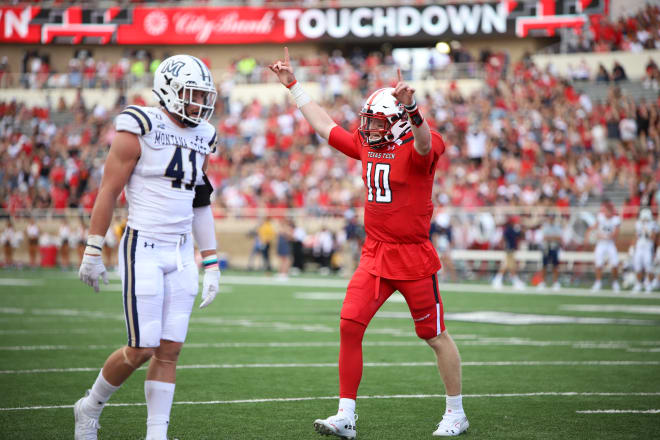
column 316, row 115
column 420, row 129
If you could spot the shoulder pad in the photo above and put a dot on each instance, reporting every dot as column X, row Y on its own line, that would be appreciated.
column 134, row 120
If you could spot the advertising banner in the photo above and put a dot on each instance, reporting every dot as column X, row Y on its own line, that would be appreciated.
column 246, row 25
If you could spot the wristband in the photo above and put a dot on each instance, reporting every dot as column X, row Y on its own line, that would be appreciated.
column 94, row 245
column 299, row 95
column 414, row 114
column 291, row 84
column 210, row 262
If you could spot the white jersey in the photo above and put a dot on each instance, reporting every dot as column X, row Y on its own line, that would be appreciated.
column 161, row 189
column 644, row 231
column 607, row 226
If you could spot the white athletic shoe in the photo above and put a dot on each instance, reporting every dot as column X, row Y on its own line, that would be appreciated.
column 596, row 286
column 556, row 286
column 338, row 425
column 497, row 284
column 519, row 284
column 637, row 288
column 541, row 286
column 451, row 425
column 86, row 426
column 616, row 287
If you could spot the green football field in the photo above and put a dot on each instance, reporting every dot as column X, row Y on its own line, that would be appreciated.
column 261, row 362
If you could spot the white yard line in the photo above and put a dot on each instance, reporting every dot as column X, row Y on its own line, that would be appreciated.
column 394, row 396
column 464, row 340
column 21, row 282
column 366, row 364
column 614, row 308
column 620, row 411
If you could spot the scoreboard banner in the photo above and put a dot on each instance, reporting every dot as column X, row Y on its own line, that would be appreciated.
column 246, row 25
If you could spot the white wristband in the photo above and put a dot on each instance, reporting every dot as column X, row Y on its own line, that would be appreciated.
column 299, row 95
column 94, row 245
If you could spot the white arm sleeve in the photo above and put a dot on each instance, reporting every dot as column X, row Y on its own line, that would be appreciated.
column 204, row 228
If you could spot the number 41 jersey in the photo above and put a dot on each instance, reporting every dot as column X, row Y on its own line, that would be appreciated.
column 161, row 189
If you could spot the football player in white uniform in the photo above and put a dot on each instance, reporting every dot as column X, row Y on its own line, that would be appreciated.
column 159, row 155
column 645, row 233
column 607, row 227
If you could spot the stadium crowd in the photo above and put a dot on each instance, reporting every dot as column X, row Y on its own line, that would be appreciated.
column 632, row 33
column 525, row 138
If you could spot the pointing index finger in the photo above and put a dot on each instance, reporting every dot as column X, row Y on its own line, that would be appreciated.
column 286, row 55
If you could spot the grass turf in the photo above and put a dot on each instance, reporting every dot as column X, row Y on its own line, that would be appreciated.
column 49, row 320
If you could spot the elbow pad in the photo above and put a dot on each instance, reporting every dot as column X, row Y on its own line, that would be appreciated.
column 203, row 193
column 204, row 228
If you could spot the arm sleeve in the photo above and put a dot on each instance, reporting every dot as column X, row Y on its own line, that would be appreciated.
column 134, row 120
column 430, row 161
column 343, row 141
column 203, row 193
column 204, row 228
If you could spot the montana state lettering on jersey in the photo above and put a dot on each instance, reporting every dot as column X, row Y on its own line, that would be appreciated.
column 398, row 207
column 161, row 189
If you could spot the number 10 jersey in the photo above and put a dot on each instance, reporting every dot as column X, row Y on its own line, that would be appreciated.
column 398, row 205
column 161, row 189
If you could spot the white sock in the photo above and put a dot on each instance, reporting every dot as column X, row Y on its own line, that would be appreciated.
column 498, row 278
column 159, row 397
column 347, row 407
column 98, row 395
column 454, row 404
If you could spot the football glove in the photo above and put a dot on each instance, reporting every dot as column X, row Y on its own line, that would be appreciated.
column 210, row 286
column 92, row 266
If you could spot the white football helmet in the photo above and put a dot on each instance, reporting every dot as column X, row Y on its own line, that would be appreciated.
column 645, row 215
column 383, row 119
column 175, row 82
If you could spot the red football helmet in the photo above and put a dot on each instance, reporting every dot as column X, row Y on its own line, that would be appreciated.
column 383, row 119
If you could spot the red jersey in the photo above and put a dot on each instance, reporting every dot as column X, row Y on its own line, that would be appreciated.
column 398, row 207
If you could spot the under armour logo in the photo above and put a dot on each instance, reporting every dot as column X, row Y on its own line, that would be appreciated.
column 148, row 244
column 198, row 139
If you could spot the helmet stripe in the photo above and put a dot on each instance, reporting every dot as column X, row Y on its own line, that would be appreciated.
column 373, row 97
column 205, row 75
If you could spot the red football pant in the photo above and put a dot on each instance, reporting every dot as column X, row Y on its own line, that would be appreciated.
column 362, row 303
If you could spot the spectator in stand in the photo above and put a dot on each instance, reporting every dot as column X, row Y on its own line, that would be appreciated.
column 602, row 75
column 618, row 73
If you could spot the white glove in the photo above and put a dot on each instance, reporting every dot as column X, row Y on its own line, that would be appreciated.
column 91, row 269
column 210, row 286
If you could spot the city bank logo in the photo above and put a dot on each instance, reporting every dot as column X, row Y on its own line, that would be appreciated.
column 155, row 23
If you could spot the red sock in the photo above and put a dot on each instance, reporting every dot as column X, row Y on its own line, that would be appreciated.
column 350, row 357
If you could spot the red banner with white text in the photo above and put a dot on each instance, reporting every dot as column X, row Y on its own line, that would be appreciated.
column 246, row 25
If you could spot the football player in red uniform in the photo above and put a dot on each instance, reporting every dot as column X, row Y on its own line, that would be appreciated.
column 399, row 154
